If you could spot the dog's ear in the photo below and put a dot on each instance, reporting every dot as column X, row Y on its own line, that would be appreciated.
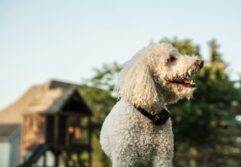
column 136, row 84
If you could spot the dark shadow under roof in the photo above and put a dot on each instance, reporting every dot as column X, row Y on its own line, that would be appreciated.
column 7, row 129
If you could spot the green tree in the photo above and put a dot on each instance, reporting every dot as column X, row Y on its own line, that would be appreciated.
column 98, row 92
column 105, row 77
column 100, row 102
column 207, row 123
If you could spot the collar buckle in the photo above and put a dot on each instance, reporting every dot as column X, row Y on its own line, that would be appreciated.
column 161, row 118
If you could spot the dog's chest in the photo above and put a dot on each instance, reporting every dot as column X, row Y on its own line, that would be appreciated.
column 151, row 139
column 142, row 128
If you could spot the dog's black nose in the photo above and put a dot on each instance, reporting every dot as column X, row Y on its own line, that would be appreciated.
column 199, row 63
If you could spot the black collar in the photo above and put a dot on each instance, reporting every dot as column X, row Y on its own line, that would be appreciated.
column 157, row 119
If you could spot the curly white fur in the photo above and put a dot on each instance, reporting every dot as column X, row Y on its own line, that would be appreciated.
column 129, row 138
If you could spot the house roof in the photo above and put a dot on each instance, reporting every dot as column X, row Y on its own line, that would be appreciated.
column 45, row 98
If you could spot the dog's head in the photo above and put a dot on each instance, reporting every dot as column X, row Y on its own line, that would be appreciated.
column 158, row 73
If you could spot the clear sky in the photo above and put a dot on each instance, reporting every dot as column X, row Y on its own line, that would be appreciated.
column 43, row 39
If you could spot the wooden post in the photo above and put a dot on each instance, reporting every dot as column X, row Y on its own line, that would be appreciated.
column 89, row 142
column 67, row 159
column 44, row 159
column 56, row 130
column 56, row 163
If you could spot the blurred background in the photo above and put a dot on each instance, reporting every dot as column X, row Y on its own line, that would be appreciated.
column 84, row 44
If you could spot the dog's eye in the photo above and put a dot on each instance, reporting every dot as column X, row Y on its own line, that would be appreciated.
column 171, row 59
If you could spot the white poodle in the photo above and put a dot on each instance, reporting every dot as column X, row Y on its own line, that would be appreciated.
column 138, row 131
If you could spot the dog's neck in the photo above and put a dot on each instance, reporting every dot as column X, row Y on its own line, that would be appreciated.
column 155, row 108
column 165, row 97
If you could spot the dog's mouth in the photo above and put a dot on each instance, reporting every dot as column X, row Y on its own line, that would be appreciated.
column 186, row 79
column 185, row 82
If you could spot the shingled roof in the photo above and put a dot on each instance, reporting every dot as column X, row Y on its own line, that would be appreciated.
column 46, row 98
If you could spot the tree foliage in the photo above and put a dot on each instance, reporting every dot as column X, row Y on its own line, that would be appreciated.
column 100, row 102
column 105, row 77
column 203, row 125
